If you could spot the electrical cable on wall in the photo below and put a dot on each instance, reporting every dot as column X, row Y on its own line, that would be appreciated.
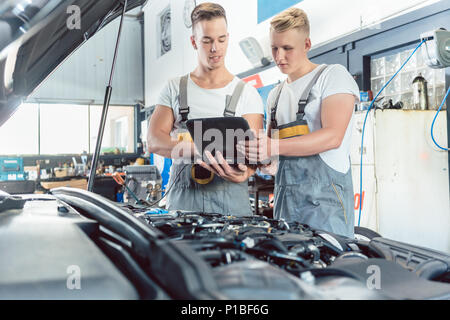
column 365, row 119
column 432, row 124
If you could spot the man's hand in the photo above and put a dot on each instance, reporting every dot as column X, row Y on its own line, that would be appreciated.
column 184, row 151
column 270, row 169
column 221, row 168
column 259, row 150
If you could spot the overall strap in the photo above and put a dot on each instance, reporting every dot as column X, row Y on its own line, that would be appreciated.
column 305, row 95
column 231, row 103
column 274, row 106
column 182, row 99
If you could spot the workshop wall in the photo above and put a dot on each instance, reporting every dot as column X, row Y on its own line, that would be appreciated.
column 176, row 61
column 243, row 18
column 360, row 30
column 405, row 178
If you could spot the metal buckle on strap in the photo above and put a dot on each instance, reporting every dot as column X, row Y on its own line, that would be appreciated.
column 184, row 110
column 273, row 124
column 302, row 104
column 301, row 107
column 184, row 114
column 300, row 116
column 227, row 113
column 273, row 119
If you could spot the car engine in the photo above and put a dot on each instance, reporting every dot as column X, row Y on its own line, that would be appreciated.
column 139, row 252
column 262, row 258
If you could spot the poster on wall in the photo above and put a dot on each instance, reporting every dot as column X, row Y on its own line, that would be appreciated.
column 269, row 8
column 165, row 39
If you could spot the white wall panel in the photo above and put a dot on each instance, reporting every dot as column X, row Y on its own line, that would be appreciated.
column 369, row 216
column 178, row 61
column 412, row 176
column 368, row 146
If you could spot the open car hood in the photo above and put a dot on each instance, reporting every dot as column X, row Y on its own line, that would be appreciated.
column 35, row 39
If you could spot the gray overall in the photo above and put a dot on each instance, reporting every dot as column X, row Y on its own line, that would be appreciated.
column 217, row 196
column 309, row 191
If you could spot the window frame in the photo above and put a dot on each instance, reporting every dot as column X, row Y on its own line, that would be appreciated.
column 91, row 148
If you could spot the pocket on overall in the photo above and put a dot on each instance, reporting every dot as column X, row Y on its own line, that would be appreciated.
column 317, row 207
column 226, row 198
column 214, row 202
column 279, row 205
column 296, row 170
column 237, row 200
column 342, row 220
column 180, row 179
column 339, row 191
column 341, row 185
column 299, row 203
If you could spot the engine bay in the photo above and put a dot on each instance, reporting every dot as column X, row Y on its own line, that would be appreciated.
column 222, row 240
column 139, row 252
column 257, row 252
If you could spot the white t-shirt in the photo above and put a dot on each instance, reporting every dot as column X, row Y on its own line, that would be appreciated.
column 333, row 80
column 208, row 103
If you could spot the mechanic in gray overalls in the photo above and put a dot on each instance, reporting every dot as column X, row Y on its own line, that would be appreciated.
column 209, row 91
column 310, row 123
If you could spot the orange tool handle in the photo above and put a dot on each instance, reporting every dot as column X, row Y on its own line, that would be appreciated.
column 118, row 178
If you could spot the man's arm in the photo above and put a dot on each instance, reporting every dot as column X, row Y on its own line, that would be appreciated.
column 159, row 140
column 255, row 122
column 337, row 111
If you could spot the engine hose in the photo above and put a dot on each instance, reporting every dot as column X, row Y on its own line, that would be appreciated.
column 329, row 246
column 320, row 272
column 221, row 255
column 285, row 258
column 272, row 244
column 246, row 233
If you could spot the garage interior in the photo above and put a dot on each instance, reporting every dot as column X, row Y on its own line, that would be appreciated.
column 400, row 175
